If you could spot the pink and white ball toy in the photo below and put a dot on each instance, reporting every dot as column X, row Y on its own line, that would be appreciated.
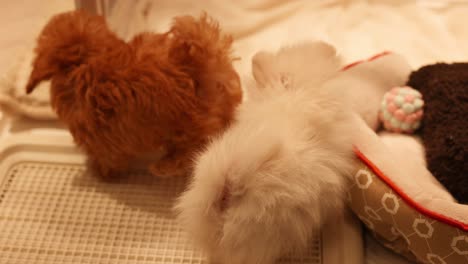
column 402, row 109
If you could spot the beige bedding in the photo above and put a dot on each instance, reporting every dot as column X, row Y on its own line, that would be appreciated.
column 422, row 31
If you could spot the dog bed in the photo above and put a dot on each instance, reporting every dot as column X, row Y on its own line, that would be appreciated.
column 402, row 204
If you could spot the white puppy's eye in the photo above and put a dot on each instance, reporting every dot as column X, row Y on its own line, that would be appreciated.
column 225, row 197
column 286, row 80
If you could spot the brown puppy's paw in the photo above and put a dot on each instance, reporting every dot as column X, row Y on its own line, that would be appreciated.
column 167, row 168
column 105, row 173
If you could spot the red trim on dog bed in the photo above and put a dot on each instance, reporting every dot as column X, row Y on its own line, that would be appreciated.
column 370, row 59
column 406, row 198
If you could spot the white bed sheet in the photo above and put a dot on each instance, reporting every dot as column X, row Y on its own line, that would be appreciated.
column 423, row 31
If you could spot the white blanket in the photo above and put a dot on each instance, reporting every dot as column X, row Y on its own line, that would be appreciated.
column 423, row 31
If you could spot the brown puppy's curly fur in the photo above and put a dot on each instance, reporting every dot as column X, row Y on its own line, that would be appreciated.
column 124, row 102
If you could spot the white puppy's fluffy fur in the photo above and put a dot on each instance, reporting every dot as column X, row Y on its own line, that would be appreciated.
column 263, row 187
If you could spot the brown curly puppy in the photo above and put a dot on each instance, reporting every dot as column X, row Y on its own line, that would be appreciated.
column 126, row 102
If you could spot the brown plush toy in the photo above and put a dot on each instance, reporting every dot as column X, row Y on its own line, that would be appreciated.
column 444, row 128
column 125, row 103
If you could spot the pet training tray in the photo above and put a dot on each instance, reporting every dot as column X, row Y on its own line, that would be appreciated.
column 53, row 211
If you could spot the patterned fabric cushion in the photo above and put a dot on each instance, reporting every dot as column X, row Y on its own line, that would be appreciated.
column 399, row 225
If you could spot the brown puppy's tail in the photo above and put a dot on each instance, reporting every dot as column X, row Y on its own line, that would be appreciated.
column 200, row 48
column 196, row 43
column 67, row 41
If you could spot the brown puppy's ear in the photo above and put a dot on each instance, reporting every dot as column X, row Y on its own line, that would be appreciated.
column 107, row 99
column 195, row 42
column 68, row 40
column 42, row 70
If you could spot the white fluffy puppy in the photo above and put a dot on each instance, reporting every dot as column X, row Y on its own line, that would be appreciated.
column 262, row 188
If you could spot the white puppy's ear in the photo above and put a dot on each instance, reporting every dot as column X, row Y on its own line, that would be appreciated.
column 262, row 69
column 311, row 63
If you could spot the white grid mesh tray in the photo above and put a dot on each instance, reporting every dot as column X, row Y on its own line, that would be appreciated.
column 58, row 213
column 52, row 210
